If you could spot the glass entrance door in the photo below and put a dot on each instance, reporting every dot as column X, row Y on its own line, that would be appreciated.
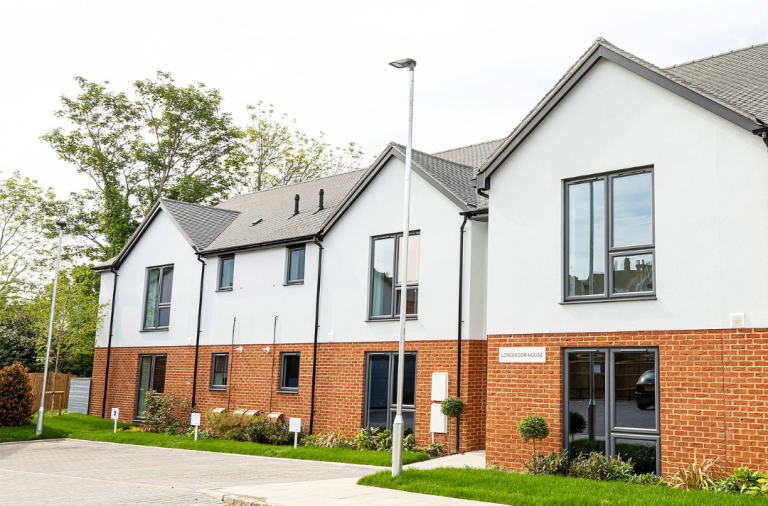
column 381, row 391
column 585, row 394
column 151, row 377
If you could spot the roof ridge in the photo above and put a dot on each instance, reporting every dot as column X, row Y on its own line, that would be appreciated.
column 199, row 205
column 292, row 184
column 395, row 144
column 715, row 56
column 467, row 146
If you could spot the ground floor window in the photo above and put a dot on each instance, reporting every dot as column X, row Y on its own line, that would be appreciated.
column 381, row 390
column 289, row 372
column 151, row 377
column 611, row 400
column 219, row 362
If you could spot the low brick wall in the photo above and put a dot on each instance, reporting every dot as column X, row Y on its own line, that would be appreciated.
column 340, row 385
column 712, row 384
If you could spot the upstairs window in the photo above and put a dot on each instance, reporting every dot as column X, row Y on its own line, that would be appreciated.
column 294, row 271
column 226, row 272
column 157, row 308
column 609, row 236
column 387, row 278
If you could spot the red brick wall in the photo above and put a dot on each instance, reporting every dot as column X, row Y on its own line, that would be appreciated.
column 340, row 383
column 712, row 393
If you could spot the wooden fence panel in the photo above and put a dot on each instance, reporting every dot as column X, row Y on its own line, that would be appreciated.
column 62, row 384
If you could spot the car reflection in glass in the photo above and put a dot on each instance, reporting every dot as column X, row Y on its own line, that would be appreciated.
column 645, row 390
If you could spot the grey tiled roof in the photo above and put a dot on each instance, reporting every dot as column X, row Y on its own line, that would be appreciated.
column 473, row 155
column 705, row 87
column 275, row 208
column 201, row 224
column 455, row 178
column 739, row 77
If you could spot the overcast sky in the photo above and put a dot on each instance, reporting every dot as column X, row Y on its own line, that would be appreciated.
column 482, row 65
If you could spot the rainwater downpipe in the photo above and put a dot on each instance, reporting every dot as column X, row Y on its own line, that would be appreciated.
column 197, row 337
column 317, row 329
column 458, row 341
column 109, row 342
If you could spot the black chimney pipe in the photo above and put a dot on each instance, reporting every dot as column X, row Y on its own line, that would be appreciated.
column 321, row 200
column 296, row 208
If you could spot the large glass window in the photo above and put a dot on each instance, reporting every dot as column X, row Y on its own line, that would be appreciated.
column 226, row 272
column 219, row 364
column 157, row 310
column 151, row 378
column 381, row 391
column 387, row 279
column 609, row 222
column 611, row 399
column 295, row 265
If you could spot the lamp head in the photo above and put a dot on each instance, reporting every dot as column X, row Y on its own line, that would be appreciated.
column 409, row 63
column 61, row 223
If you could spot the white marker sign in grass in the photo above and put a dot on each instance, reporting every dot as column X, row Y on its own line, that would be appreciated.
column 114, row 414
column 294, row 425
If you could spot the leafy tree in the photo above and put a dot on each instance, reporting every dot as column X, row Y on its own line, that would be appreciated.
column 18, row 340
column 15, row 396
column 76, row 320
column 279, row 154
column 25, row 213
column 167, row 141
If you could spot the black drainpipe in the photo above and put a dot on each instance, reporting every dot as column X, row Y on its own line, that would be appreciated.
column 109, row 342
column 763, row 133
column 197, row 339
column 317, row 327
column 458, row 341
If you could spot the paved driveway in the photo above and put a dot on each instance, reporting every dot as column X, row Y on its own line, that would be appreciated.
column 88, row 473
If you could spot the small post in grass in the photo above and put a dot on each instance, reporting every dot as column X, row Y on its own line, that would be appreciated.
column 114, row 414
column 194, row 420
column 294, row 425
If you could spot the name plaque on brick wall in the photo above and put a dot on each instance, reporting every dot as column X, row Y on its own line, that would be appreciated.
column 536, row 355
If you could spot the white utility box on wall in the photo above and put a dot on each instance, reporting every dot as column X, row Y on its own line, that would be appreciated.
column 437, row 420
column 439, row 386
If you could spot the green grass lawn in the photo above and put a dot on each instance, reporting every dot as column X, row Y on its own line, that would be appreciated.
column 525, row 490
column 79, row 426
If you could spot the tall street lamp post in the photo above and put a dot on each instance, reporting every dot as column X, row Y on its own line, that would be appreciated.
column 397, row 427
column 41, row 413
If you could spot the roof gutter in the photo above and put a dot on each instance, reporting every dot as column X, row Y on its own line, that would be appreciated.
column 763, row 133
column 258, row 246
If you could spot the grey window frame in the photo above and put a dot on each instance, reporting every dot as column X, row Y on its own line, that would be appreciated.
column 406, row 407
column 160, row 305
column 281, row 388
column 220, row 288
column 151, row 379
column 613, row 432
column 610, row 251
column 288, row 252
column 395, row 286
column 213, row 371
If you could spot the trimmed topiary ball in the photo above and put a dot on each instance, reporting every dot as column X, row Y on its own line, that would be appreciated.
column 452, row 407
column 15, row 396
column 532, row 428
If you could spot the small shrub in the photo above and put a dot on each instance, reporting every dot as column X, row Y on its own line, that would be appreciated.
column 409, row 444
column 310, row 441
column 745, row 481
column 597, row 466
column 695, row 476
column 531, row 428
column 220, row 424
column 645, row 479
column 555, row 464
column 384, row 440
column 16, row 396
column 261, row 430
column 452, row 407
column 365, row 439
column 434, row 449
column 163, row 415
